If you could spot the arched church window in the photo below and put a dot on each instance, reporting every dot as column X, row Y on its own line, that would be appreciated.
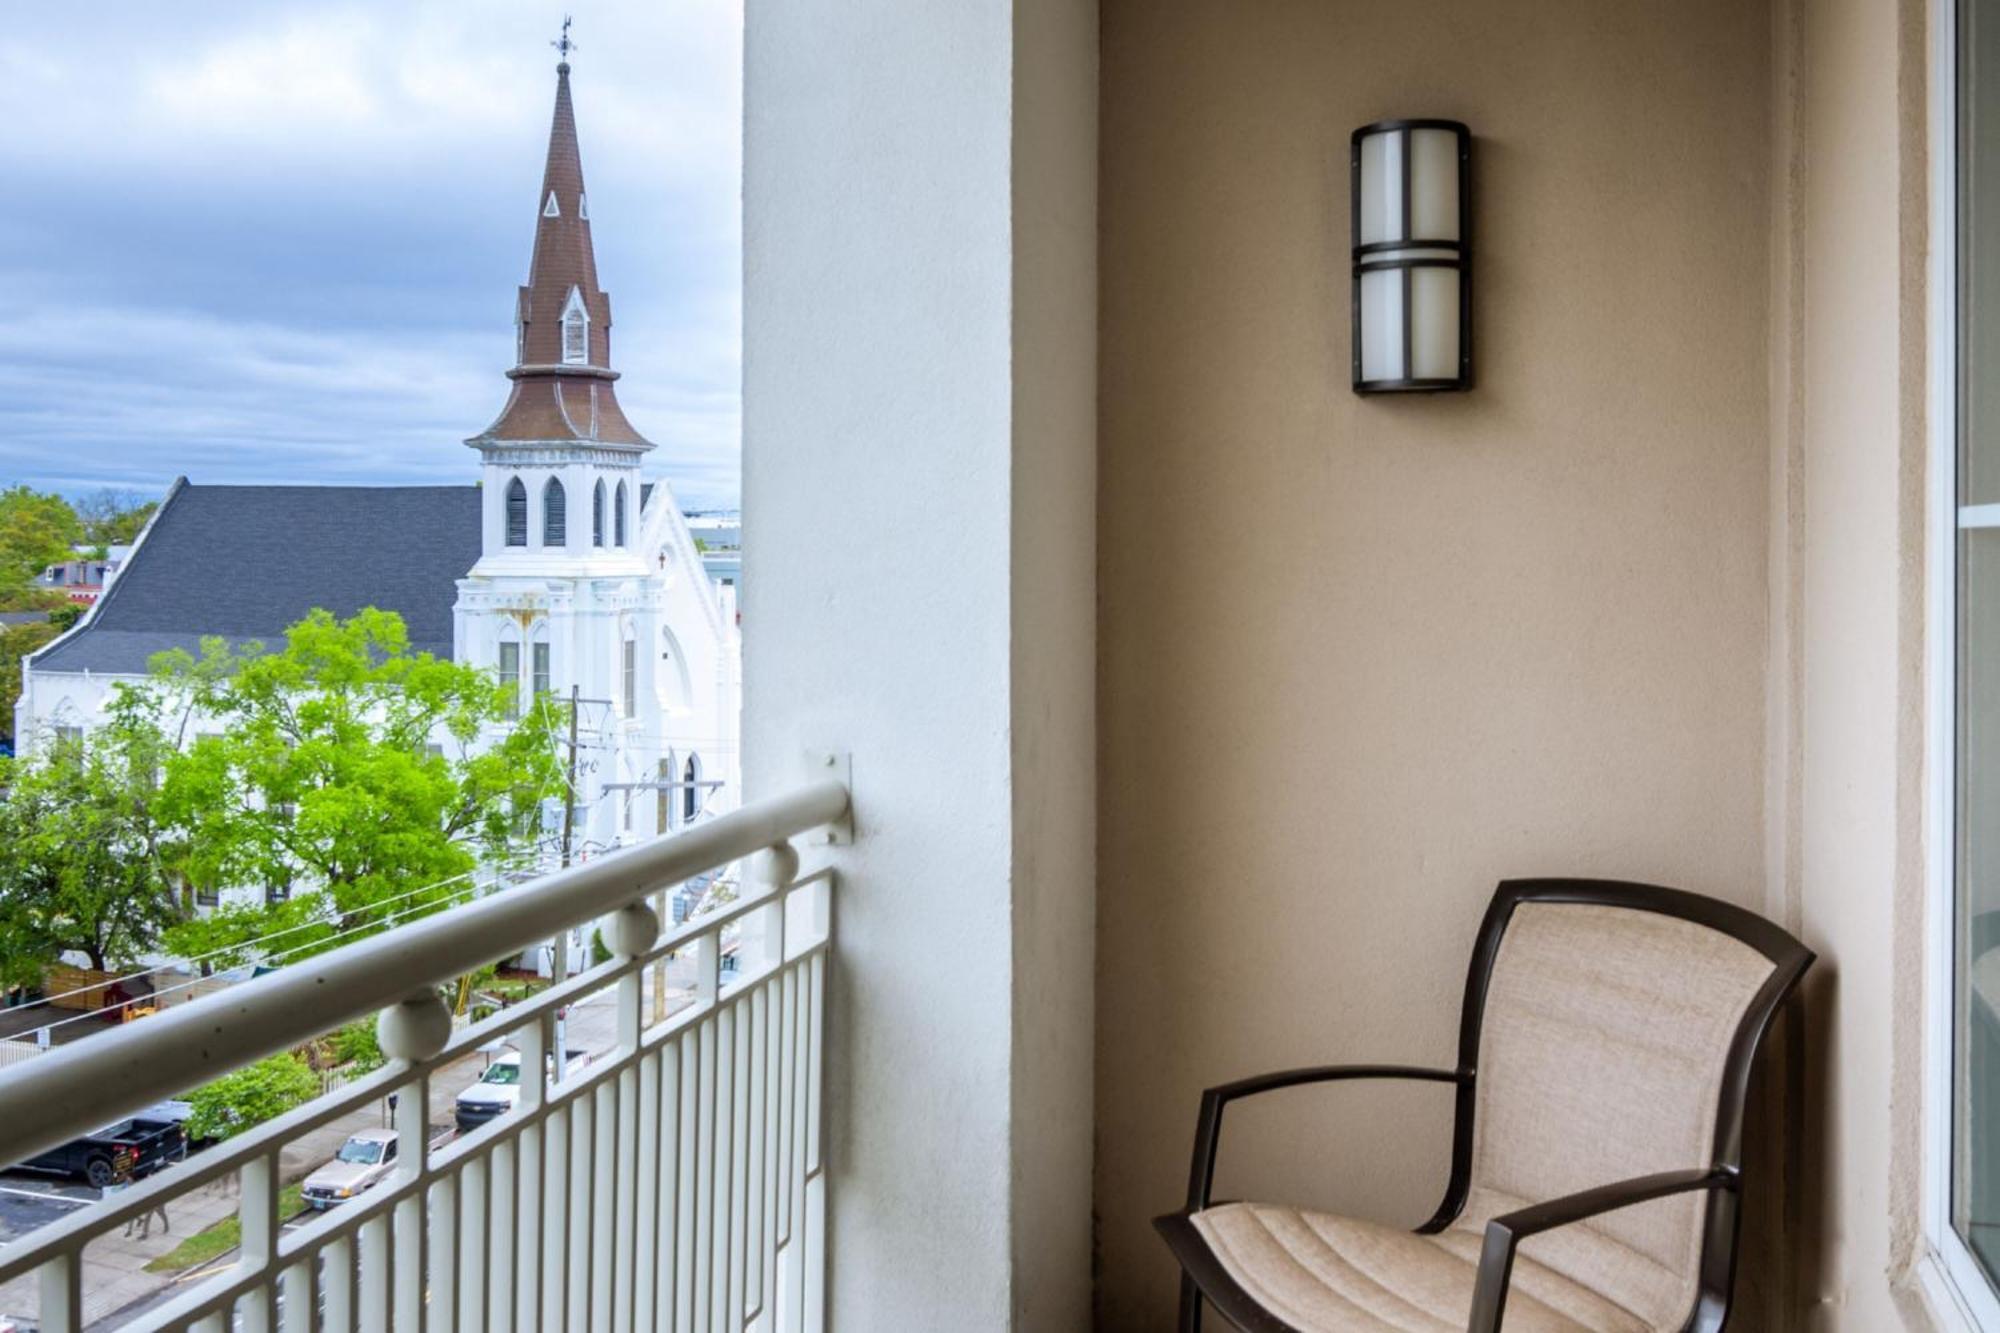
column 555, row 530
column 517, row 513
column 691, row 793
column 510, row 675
column 619, row 515
column 597, row 514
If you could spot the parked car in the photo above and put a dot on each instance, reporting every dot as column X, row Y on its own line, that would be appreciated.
column 122, row 1151
column 364, row 1161
column 498, row 1090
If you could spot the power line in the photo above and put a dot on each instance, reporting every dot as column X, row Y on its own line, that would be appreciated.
column 190, row 960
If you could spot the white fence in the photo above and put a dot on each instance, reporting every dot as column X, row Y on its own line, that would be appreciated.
column 676, row 1183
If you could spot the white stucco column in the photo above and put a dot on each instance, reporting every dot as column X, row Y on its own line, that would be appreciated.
column 919, row 505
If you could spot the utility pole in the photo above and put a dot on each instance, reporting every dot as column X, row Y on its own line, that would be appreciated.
column 561, row 960
column 569, row 780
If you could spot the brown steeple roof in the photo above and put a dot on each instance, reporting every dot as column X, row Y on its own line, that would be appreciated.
column 553, row 400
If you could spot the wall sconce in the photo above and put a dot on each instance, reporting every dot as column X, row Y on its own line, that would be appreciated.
column 1412, row 256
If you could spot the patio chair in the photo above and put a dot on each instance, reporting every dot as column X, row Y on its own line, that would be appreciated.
column 1606, row 1042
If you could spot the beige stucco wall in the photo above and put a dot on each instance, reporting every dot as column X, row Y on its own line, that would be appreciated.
column 1852, row 570
column 1361, row 658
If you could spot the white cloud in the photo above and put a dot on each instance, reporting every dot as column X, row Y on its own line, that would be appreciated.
column 280, row 242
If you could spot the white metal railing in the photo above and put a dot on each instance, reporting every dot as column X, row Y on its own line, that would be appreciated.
column 675, row 1183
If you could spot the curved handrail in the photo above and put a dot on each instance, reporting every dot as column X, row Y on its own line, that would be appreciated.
column 47, row 1101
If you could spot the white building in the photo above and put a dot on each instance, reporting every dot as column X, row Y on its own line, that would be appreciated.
column 564, row 570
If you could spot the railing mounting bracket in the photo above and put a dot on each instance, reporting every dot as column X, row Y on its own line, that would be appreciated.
column 834, row 764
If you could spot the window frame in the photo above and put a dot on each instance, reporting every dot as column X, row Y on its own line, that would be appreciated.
column 514, row 494
column 555, row 513
column 628, row 693
column 508, row 678
column 1955, row 1283
column 575, row 320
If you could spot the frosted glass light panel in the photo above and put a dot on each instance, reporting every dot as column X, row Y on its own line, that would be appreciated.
column 1412, row 256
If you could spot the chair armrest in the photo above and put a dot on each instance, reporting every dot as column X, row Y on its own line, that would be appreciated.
column 1505, row 1233
column 1208, row 1129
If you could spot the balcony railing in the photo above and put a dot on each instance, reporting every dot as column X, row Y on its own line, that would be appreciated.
column 674, row 1183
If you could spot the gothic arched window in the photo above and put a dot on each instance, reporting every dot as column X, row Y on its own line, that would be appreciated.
column 517, row 513
column 597, row 514
column 691, row 793
column 619, row 515
column 555, row 532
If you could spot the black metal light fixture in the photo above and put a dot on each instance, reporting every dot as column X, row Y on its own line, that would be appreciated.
column 1412, row 256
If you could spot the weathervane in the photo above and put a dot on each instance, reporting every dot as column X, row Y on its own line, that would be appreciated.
column 563, row 44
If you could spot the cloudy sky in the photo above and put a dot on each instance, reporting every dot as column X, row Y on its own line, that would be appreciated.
column 255, row 242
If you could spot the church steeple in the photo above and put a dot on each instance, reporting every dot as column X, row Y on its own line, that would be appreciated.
column 562, row 376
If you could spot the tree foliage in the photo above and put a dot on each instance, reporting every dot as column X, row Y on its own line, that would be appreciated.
column 37, row 529
column 345, row 768
column 112, row 517
column 248, row 1097
column 81, row 867
column 16, row 642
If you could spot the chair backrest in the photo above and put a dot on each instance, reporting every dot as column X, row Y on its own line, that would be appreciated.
column 1611, row 1029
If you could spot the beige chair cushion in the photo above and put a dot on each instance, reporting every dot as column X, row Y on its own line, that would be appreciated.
column 1326, row 1274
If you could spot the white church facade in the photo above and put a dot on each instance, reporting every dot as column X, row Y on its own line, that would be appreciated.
column 565, row 571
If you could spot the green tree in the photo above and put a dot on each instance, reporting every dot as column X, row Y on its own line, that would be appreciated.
column 112, row 517
column 357, row 1048
column 324, row 777
column 16, row 642
column 251, row 1095
column 80, row 855
column 37, row 530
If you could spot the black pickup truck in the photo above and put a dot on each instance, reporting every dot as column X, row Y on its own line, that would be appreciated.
column 123, row 1151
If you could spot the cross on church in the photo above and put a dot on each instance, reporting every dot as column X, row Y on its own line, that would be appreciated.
column 563, row 44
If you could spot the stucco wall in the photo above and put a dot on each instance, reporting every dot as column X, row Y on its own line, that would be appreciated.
column 1855, row 571
column 1361, row 658
column 919, row 405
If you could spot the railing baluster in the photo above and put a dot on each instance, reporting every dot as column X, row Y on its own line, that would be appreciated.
column 535, row 1042
column 725, row 1231
column 702, row 1278
column 608, row 1169
column 257, row 1214
column 758, row 1140
column 375, row 1260
column 742, row 1088
column 687, row 1197
column 442, row 1310
column 411, row 1235
column 336, row 1277
column 476, row 1269
column 62, row 1293
column 301, row 1312
column 555, row 1219
column 815, row 1257
column 582, row 1205
column 646, row 1255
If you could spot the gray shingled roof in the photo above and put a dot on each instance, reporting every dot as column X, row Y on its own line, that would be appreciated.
column 244, row 562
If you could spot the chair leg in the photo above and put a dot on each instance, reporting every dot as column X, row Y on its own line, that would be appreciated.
column 1190, row 1305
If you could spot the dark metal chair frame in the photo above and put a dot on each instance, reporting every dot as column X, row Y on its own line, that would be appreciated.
column 1204, row 1278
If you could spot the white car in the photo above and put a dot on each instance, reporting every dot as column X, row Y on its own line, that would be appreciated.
column 362, row 1161
column 498, row 1090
